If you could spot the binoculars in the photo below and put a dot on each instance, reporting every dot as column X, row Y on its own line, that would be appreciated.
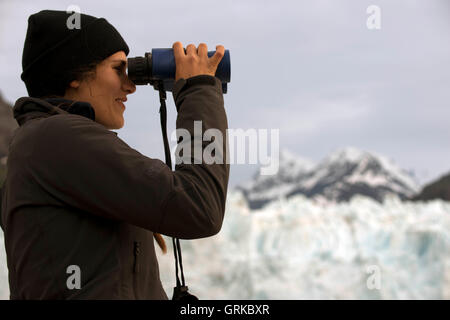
column 158, row 67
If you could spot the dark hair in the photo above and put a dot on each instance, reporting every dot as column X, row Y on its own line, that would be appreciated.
column 57, row 87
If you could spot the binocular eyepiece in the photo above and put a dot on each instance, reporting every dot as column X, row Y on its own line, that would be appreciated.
column 159, row 67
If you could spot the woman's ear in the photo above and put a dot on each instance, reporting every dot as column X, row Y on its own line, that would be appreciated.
column 74, row 84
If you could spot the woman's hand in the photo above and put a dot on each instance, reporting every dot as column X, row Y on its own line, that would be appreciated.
column 195, row 61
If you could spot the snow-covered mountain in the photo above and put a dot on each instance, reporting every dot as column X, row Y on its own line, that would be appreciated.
column 264, row 188
column 340, row 176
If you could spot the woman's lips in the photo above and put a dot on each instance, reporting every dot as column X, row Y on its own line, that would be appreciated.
column 121, row 103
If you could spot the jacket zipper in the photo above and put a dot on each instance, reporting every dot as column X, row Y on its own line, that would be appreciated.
column 137, row 250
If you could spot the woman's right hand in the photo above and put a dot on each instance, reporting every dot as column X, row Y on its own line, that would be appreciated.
column 195, row 61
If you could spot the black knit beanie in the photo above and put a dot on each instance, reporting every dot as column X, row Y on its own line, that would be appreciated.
column 52, row 50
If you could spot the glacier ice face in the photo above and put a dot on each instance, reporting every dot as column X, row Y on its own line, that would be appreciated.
column 301, row 249
column 306, row 249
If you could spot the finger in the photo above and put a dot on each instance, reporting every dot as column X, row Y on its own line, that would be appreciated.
column 218, row 55
column 191, row 50
column 202, row 50
column 178, row 49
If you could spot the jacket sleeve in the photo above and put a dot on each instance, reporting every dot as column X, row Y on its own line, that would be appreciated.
column 84, row 165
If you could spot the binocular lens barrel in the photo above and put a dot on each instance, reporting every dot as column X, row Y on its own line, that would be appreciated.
column 159, row 66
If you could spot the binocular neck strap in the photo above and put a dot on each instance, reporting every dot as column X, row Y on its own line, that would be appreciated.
column 163, row 117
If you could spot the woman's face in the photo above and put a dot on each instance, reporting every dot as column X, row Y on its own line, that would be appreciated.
column 107, row 91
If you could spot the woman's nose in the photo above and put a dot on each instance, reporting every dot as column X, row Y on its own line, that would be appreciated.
column 129, row 86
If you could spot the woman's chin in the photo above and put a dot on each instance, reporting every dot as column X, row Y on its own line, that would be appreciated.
column 114, row 125
column 120, row 123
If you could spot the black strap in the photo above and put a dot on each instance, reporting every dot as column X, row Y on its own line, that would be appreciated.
column 181, row 290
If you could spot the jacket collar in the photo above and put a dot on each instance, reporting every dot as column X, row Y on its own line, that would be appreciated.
column 27, row 108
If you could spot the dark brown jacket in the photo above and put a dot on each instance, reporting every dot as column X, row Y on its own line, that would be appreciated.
column 76, row 194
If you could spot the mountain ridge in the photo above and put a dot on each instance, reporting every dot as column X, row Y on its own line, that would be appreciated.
column 338, row 177
column 7, row 126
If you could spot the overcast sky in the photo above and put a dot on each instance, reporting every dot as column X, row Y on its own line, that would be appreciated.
column 309, row 68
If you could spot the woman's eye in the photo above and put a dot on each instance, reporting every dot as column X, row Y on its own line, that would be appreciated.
column 119, row 70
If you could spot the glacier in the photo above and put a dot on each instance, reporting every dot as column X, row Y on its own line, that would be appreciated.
column 302, row 249
column 299, row 248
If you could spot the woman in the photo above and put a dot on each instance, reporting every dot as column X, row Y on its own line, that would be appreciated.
column 80, row 207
